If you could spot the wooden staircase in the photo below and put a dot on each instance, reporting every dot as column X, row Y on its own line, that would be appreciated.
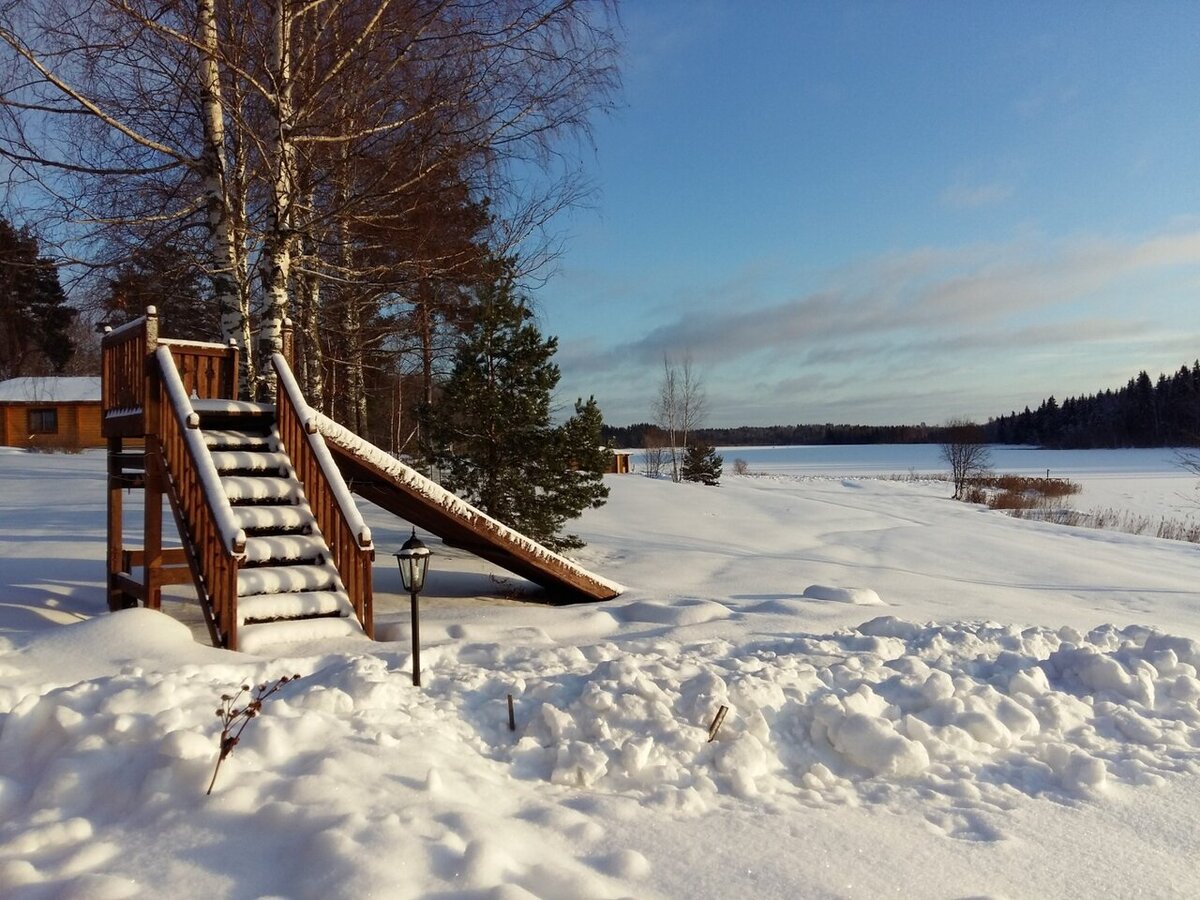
column 287, row 588
column 274, row 545
column 272, row 540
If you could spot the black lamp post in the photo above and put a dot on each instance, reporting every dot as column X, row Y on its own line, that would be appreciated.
column 413, row 559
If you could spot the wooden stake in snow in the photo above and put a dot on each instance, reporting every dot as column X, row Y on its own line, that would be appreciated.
column 512, row 715
column 716, row 723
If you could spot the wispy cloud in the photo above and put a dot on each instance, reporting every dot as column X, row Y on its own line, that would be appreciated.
column 912, row 321
column 976, row 196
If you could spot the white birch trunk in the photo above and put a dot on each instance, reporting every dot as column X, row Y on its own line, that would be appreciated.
column 222, row 243
column 276, row 260
column 311, row 355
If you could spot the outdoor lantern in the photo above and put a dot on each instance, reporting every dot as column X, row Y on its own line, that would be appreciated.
column 413, row 559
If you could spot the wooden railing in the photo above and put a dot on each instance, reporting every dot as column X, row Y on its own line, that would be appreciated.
column 208, row 371
column 348, row 537
column 214, row 544
column 125, row 355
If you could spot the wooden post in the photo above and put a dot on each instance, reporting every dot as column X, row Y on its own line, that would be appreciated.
column 287, row 338
column 153, row 522
column 716, row 723
column 153, row 491
column 368, row 601
column 116, row 596
column 232, row 360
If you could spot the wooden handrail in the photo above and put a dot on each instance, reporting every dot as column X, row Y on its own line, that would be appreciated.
column 125, row 355
column 337, row 517
column 214, row 543
column 208, row 371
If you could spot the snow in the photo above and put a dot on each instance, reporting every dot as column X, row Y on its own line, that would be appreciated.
column 50, row 389
column 859, row 596
column 925, row 698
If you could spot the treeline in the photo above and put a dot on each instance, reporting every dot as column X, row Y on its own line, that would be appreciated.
column 645, row 434
column 1144, row 413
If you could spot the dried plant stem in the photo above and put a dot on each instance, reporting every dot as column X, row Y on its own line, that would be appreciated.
column 234, row 719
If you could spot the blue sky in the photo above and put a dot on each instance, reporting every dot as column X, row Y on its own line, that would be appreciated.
column 887, row 212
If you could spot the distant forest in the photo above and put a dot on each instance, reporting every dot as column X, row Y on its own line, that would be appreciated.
column 645, row 434
column 1144, row 413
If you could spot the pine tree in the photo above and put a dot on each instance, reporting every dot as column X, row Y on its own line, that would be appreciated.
column 491, row 431
column 701, row 463
column 35, row 319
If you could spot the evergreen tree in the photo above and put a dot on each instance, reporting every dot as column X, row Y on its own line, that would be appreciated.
column 162, row 275
column 493, row 439
column 35, row 320
column 701, row 463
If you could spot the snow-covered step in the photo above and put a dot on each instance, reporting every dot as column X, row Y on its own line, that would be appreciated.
column 293, row 604
column 222, row 439
column 264, row 635
column 273, row 518
column 286, row 547
column 279, row 579
column 251, row 488
column 233, row 407
column 272, row 462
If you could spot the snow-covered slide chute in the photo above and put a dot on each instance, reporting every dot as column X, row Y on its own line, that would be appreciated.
column 378, row 476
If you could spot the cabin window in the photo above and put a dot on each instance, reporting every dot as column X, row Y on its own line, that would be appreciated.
column 43, row 421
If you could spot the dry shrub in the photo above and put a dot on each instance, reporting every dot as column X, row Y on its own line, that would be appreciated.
column 1021, row 492
column 1109, row 519
column 1043, row 487
column 1012, row 500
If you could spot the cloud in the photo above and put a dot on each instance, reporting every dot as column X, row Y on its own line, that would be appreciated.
column 976, row 196
column 932, row 325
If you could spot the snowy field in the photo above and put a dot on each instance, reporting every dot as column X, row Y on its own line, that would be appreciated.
column 925, row 699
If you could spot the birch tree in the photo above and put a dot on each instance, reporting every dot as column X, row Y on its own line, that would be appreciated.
column 680, row 407
column 300, row 137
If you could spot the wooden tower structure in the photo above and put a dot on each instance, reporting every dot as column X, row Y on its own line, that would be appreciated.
column 271, row 538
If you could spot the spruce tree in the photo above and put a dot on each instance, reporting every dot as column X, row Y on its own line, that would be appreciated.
column 701, row 463
column 35, row 319
column 492, row 436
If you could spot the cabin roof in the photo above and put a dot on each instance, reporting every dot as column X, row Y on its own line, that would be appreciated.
column 51, row 389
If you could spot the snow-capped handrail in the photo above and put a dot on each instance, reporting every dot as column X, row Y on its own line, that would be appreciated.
column 232, row 535
column 338, row 518
column 337, row 484
column 115, row 335
column 123, row 382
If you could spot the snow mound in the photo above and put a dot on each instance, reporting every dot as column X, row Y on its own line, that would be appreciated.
column 959, row 720
column 855, row 596
column 968, row 715
column 683, row 612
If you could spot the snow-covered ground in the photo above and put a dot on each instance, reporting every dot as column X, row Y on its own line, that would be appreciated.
column 925, row 699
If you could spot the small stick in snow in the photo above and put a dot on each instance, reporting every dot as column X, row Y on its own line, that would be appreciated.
column 716, row 723
column 512, row 715
column 234, row 719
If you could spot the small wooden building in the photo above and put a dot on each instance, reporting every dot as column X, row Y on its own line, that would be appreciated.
column 620, row 464
column 53, row 413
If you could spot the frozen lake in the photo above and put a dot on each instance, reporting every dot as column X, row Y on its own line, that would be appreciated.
column 1144, row 481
